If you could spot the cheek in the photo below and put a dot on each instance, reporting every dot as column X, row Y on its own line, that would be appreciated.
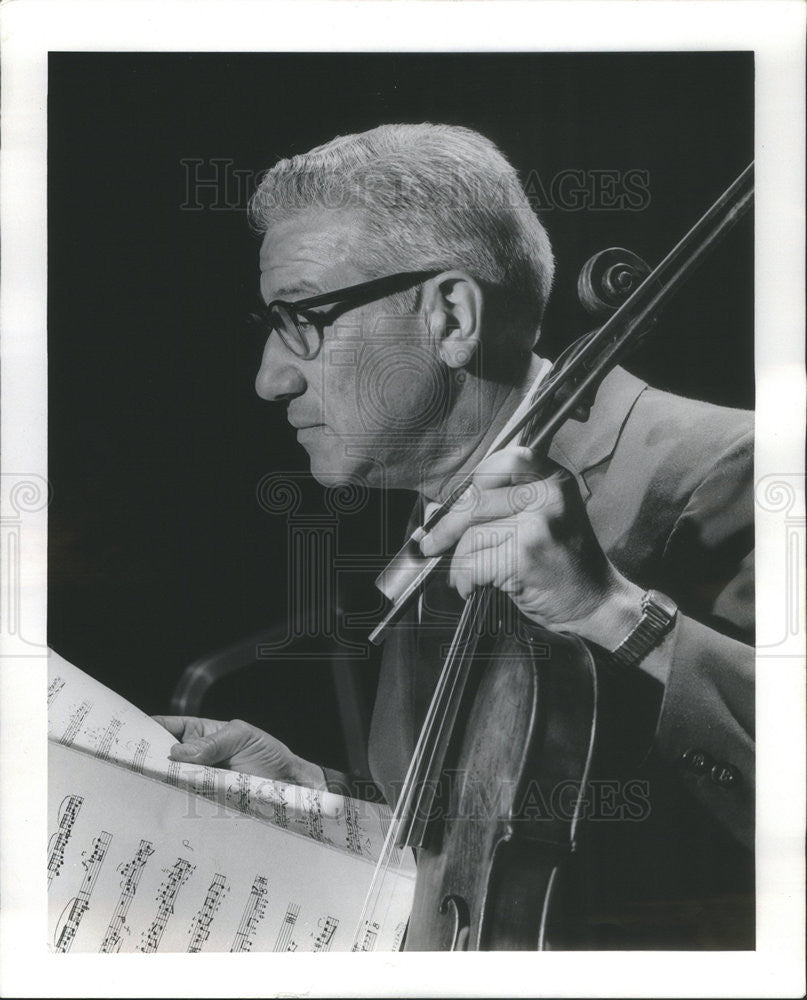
column 400, row 387
column 340, row 391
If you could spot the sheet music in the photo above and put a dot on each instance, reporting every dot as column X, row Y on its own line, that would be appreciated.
column 68, row 810
column 254, row 912
column 87, row 716
column 152, row 868
column 285, row 936
column 69, row 921
column 131, row 872
column 84, row 714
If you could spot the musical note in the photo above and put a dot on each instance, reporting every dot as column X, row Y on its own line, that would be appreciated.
column 139, row 758
column 243, row 800
column 366, row 939
column 74, row 725
column 280, row 807
column 312, row 819
column 68, row 810
column 81, row 902
column 178, row 874
column 323, row 940
column 284, row 940
column 172, row 776
column 253, row 914
column 200, row 930
column 107, row 740
column 131, row 872
column 355, row 837
column 207, row 785
column 54, row 688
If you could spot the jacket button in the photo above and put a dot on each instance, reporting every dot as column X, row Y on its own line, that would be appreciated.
column 725, row 775
column 697, row 761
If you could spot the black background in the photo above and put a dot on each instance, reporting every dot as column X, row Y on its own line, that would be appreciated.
column 159, row 550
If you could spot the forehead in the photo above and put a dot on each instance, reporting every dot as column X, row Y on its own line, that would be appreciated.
column 309, row 245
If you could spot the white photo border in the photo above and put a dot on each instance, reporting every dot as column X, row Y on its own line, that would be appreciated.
column 775, row 32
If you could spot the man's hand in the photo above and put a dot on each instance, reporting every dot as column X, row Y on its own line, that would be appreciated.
column 240, row 747
column 523, row 528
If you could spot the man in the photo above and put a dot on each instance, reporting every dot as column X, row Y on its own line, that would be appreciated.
column 645, row 506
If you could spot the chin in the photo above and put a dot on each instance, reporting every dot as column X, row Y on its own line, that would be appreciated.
column 333, row 469
column 330, row 477
column 329, row 468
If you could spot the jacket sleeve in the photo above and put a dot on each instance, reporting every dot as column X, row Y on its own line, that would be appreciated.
column 705, row 728
column 706, row 725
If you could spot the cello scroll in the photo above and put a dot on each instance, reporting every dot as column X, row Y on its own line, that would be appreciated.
column 608, row 278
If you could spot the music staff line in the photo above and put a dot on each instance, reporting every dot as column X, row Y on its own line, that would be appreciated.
column 177, row 875
column 81, row 903
column 68, row 811
column 132, row 872
column 200, row 930
column 254, row 912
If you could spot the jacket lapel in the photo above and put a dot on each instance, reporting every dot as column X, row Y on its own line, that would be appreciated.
column 580, row 446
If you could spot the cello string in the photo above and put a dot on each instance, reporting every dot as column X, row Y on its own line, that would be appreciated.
column 412, row 782
column 403, row 803
column 474, row 607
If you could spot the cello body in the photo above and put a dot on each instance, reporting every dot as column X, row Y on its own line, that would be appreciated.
column 504, row 826
column 554, row 827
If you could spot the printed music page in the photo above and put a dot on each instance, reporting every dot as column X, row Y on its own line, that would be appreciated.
column 87, row 716
column 135, row 865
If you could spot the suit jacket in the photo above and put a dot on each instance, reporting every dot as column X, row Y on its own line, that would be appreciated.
column 667, row 483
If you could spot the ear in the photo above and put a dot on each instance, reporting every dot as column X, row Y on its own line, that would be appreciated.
column 453, row 304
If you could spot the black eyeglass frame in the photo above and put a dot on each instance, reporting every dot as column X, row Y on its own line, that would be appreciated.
column 341, row 299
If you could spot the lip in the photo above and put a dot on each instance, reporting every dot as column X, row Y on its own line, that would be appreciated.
column 299, row 423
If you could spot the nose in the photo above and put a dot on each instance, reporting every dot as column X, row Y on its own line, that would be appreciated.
column 279, row 377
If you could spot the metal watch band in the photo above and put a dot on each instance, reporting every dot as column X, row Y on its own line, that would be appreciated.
column 658, row 617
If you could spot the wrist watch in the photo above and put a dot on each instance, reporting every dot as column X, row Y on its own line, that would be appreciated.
column 658, row 617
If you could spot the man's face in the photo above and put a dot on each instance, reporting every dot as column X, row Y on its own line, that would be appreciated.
column 371, row 404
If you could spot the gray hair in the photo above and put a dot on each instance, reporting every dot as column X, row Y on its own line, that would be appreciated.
column 435, row 197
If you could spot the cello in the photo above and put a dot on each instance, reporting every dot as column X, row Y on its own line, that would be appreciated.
column 520, row 712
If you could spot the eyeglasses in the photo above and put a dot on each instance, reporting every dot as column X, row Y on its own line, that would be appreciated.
column 301, row 324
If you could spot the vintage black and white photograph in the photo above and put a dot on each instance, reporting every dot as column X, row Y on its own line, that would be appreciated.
column 401, row 501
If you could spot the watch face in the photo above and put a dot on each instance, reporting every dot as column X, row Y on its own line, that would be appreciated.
column 661, row 603
column 658, row 615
